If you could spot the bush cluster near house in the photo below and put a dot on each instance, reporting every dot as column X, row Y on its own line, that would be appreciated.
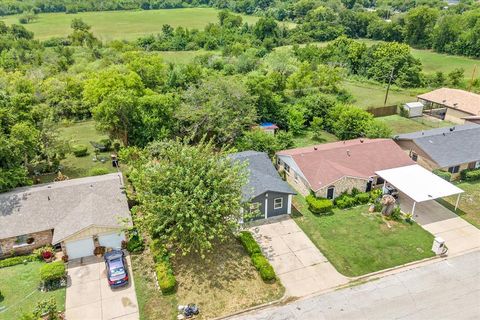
column 8, row 262
column 52, row 271
column 163, row 268
column 319, row 206
column 470, row 174
column 258, row 259
column 443, row 174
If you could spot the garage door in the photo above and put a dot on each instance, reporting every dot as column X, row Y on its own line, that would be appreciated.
column 80, row 248
column 111, row 240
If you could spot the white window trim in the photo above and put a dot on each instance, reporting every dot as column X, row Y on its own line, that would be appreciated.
column 275, row 206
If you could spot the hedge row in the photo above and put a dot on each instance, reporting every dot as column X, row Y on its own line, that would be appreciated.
column 17, row 260
column 80, row 150
column 163, row 267
column 347, row 201
column 470, row 174
column 52, row 271
column 258, row 259
column 443, row 174
column 318, row 205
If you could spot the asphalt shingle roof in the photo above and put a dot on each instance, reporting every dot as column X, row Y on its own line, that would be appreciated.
column 67, row 207
column 448, row 148
column 263, row 176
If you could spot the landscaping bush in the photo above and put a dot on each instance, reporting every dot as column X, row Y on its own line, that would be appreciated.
column 345, row 201
column 98, row 171
column 8, row 262
column 263, row 266
column 52, row 271
column 443, row 174
column 319, row 206
column 46, row 309
column 45, row 252
column 362, row 198
column 79, row 150
column 470, row 174
column 375, row 194
column 135, row 242
column 165, row 277
column 107, row 144
column 250, row 245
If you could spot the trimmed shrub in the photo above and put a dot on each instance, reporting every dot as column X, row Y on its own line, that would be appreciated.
column 443, row 174
column 264, row 267
column 79, row 150
column 135, row 242
column 470, row 174
column 362, row 198
column 250, row 245
column 319, row 206
column 165, row 277
column 345, row 201
column 52, row 271
column 98, row 171
column 375, row 194
column 13, row 261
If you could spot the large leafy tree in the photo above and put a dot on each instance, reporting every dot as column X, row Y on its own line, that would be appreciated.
column 220, row 109
column 190, row 195
column 419, row 24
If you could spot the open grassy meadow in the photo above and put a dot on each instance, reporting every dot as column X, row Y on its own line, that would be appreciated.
column 128, row 25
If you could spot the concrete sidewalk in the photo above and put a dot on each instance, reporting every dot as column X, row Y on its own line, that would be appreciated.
column 301, row 267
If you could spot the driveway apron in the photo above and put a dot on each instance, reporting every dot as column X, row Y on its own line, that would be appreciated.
column 301, row 267
column 89, row 296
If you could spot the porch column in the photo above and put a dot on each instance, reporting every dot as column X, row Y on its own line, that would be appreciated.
column 413, row 208
column 266, row 205
column 458, row 200
column 289, row 204
column 384, row 184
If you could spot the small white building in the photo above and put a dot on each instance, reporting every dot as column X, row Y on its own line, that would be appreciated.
column 414, row 109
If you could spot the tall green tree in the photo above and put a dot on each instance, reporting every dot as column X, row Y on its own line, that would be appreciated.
column 202, row 208
column 419, row 24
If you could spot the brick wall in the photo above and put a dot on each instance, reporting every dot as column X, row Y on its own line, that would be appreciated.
column 298, row 183
column 345, row 184
column 9, row 246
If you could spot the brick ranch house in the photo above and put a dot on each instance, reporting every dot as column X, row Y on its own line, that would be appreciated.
column 330, row 169
column 451, row 149
column 265, row 190
column 75, row 215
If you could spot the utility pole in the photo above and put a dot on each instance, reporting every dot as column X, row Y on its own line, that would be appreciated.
column 388, row 87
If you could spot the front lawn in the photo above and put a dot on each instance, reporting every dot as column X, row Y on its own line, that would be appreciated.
column 469, row 205
column 224, row 283
column 357, row 242
column 19, row 286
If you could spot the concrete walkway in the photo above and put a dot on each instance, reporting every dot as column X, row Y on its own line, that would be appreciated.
column 459, row 235
column 301, row 267
column 448, row 289
column 89, row 297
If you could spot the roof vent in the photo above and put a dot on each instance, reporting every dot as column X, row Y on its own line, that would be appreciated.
column 48, row 197
column 315, row 148
column 444, row 101
column 348, row 152
column 452, row 129
column 423, row 133
column 361, row 140
column 444, row 133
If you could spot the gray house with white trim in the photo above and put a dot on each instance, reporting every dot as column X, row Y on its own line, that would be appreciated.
column 265, row 193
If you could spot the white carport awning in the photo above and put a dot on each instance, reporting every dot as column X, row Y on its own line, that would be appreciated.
column 418, row 183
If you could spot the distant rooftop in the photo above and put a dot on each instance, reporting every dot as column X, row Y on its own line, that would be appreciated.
column 454, row 98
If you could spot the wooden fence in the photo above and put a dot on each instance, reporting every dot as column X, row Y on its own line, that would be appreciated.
column 383, row 111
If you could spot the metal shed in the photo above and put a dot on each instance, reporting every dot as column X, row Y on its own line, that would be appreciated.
column 414, row 109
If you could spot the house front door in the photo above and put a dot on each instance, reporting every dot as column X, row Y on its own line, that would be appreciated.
column 369, row 185
column 330, row 192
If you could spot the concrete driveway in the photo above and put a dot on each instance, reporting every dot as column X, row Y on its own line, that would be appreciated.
column 89, row 297
column 301, row 267
column 459, row 235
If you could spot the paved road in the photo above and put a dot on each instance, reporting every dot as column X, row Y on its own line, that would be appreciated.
column 449, row 289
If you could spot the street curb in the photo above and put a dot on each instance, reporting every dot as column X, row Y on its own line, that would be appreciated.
column 361, row 279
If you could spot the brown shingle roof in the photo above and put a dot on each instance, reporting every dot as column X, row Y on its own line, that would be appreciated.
column 324, row 164
column 454, row 98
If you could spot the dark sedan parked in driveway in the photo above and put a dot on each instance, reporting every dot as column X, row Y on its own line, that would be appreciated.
column 117, row 270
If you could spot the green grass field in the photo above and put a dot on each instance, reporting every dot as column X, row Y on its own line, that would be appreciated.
column 181, row 57
column 401, row 125
column 469, row 205
column 357, row 242
column 19, row 286
column 370, row 95
column 306, row 139
column 129, row 25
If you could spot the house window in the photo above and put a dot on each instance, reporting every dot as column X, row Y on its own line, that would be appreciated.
column 279, row 162
column 477, row 165
column 454, row 169
column 296, row 176
column 22, row 240
column 287, row 167
column 414, row 156
column 254, row 207
column 380, row 180
column 278, row 203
